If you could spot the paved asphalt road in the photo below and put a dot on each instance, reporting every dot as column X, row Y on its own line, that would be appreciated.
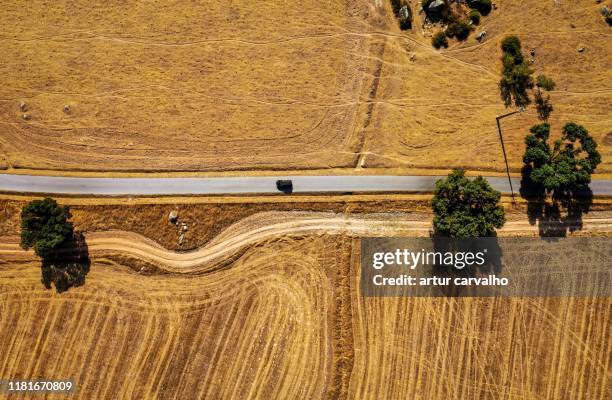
column 239, row 185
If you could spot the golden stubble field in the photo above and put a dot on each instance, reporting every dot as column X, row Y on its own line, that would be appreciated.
column 218, row 86
column 270, row 308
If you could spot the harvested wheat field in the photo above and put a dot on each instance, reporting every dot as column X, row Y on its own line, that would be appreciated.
column 181, row 85
column 262, row 85
column 269, row 308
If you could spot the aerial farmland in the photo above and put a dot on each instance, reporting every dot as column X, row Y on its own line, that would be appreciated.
column 257, row 294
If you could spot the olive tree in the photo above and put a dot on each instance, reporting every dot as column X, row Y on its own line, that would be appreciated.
column 465, row 208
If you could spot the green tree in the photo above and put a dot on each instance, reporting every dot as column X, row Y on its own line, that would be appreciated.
column 516, row 75
column 465, row 207
column 511, row 45
column 439, row 40
column 544, row 106
column 475, row 17
column 566, row 167
column 459, row 29
column 545, row 83
column 45, row 226
column 483, row 6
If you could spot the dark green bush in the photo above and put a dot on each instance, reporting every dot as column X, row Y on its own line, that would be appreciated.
column 544, row 106
column 545, row 83
column 460, row 30
column 439, row 40
column 512, row 45
column 483, row 6
column 475, row 17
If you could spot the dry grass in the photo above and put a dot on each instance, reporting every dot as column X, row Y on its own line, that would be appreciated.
column 269, row 308
column 482, row 348
column 260, row 329
column 205, row 220
column 181, row 86
column 303, row 85
column 439, row 110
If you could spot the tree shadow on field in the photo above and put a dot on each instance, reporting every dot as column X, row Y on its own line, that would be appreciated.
column 67, row 266
column 491, row 266
column 555, row 215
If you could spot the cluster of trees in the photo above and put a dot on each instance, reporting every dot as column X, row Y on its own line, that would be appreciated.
column 46, row 227
column 517, row 80
column 563, row 168
column 458, row 25
column 556, row 177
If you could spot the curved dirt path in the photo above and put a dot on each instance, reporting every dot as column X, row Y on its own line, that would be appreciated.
column 267, row 225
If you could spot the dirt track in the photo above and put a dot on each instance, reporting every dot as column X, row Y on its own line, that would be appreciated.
column 270, row 225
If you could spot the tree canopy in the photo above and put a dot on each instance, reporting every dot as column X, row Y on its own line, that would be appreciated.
column 45, row 226
column 567, row 165
column 483, row 6
column 516, row 75
column 466, row 208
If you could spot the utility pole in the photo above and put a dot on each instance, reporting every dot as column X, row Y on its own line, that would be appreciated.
column 501, row 139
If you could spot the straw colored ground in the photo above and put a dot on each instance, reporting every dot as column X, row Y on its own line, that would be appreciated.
column 268, row 307
column 287, row 86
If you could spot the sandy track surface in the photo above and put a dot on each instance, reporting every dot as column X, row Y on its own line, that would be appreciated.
column 268, row 225
column 248, row 232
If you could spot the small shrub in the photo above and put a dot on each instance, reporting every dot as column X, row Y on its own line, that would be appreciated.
column 475, row 17
column 483, row 6
column 460, row 30
column 545, row 83
column 544, row 106
column 439, row 40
